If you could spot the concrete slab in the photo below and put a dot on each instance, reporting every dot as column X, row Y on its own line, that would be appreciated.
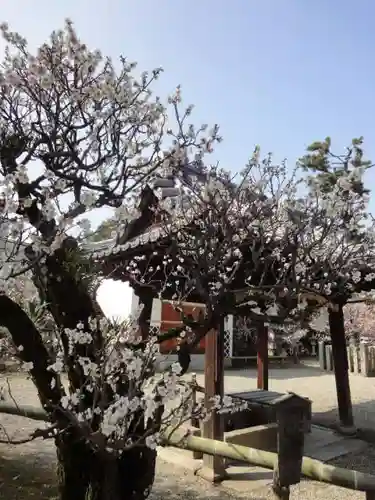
column 243, row 479
column 324, row 444
column 322, row 436
column 181, row 458
column 336, row 450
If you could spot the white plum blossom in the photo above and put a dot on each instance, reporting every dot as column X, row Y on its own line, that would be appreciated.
column 28, row 366
column 57, row 366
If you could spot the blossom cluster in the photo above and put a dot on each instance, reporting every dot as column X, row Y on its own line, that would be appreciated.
column 157, row 401
column 270, row 232
column 79, row 132
column 360, row 321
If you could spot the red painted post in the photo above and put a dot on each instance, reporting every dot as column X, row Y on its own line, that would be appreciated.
column 213, row 466
column 262, row 356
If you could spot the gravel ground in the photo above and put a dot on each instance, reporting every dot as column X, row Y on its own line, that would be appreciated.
column 27, row 471
column 308, row 381
column 311, row 382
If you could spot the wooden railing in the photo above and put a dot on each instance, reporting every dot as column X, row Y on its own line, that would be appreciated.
column 313, row 469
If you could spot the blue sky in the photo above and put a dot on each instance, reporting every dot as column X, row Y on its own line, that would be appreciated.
column 275, row 73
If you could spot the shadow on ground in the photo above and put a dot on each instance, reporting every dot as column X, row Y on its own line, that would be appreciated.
column 27, row 477
column 24, row 477
column 363, row 419
column 276, row 372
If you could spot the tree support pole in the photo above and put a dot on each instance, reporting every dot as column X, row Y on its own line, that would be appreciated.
column 340, row 366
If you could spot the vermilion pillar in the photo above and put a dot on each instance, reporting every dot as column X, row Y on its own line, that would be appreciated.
column 213, row 466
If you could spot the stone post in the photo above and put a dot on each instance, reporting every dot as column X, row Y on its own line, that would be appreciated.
column 329, row 360
column 365, row 359
column 313, row 348
column 322, row 355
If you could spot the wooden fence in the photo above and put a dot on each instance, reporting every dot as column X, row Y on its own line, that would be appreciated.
column 313, row 469
column 361, row 358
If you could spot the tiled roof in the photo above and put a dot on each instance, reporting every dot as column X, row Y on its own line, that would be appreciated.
column 169, row 190
column 106, row 248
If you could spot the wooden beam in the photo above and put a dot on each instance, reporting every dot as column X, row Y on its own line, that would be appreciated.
column 213, row 466
column 184, row 303
column 340, row 365
column 311, row 468
column 262, row 356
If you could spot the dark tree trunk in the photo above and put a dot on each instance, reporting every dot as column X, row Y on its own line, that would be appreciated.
column 85, row 475
column 31, row 348
column 340, row 365
column 213, row 466
column 136, row 470
column 73, row 469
